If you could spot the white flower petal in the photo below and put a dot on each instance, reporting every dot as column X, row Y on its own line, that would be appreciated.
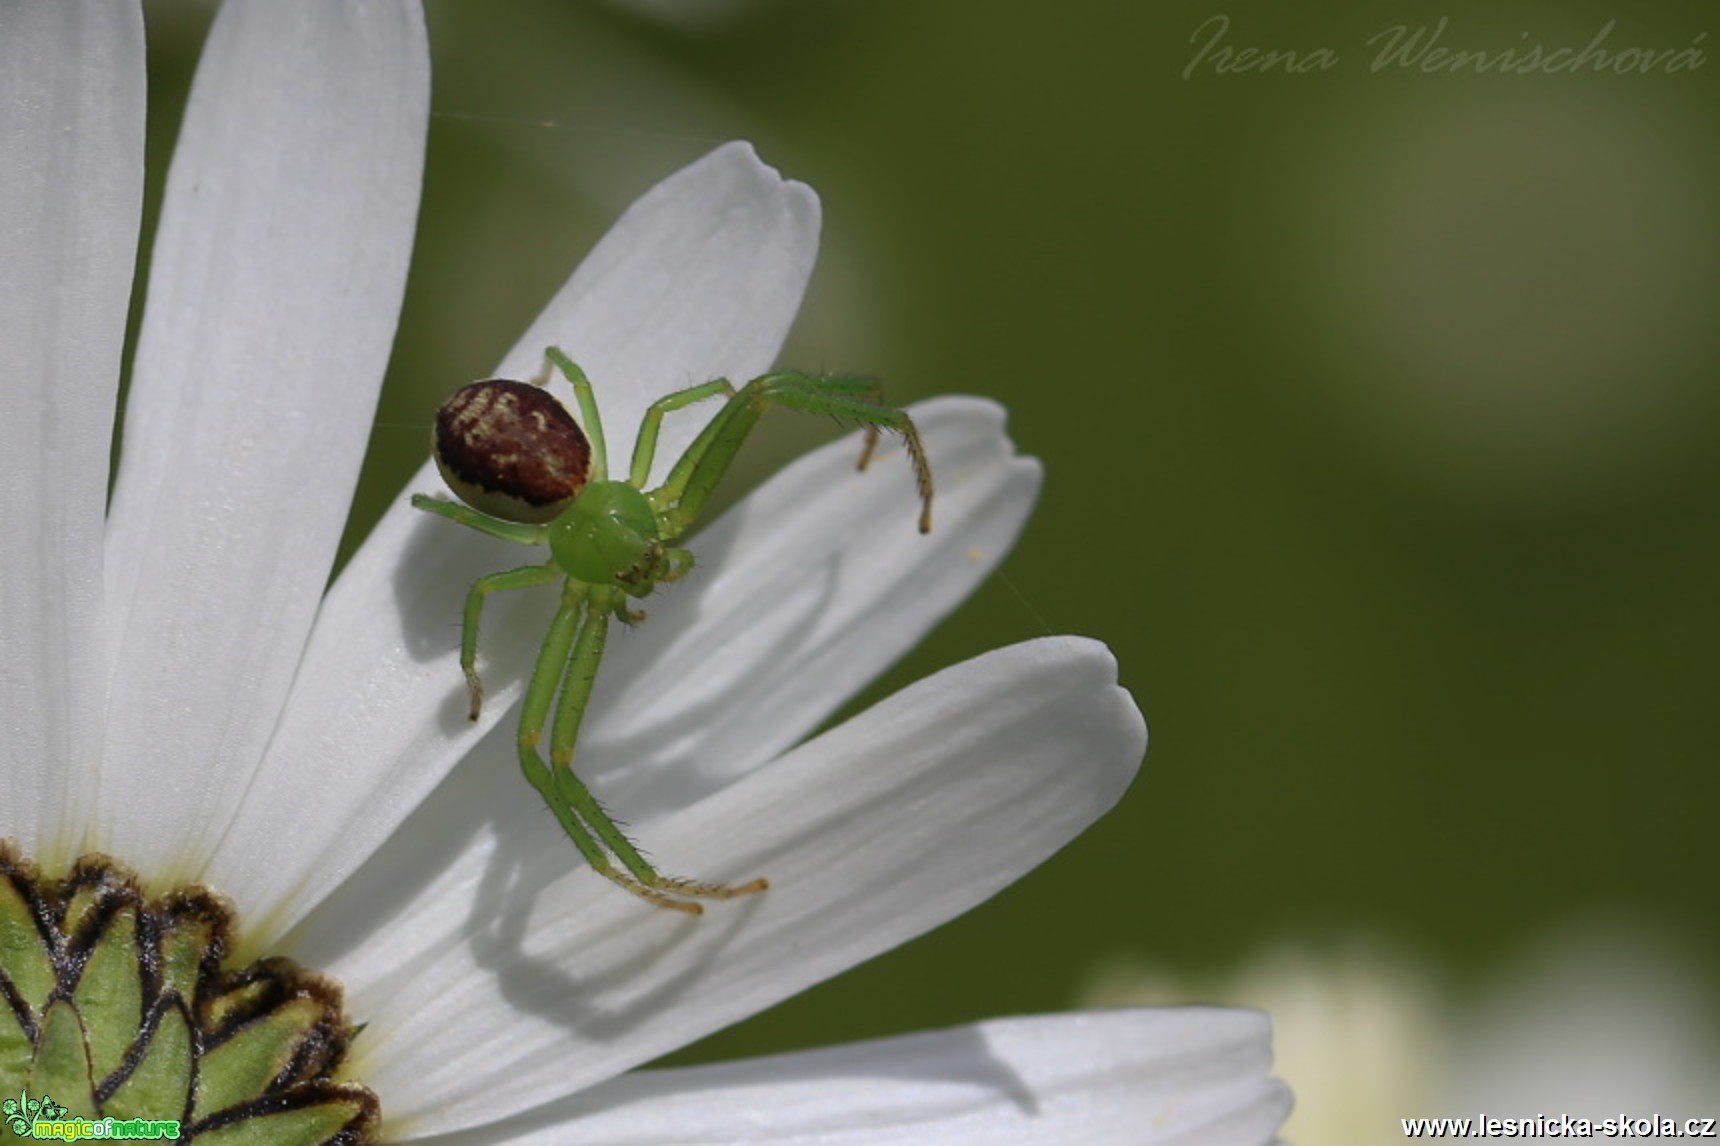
column 700, row 279
column 516, row 975
column 1147, row 1077
column 702, row 275
column 275, row 287
column 71, row 191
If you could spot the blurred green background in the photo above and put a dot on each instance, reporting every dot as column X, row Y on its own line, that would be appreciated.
column 1378, row 408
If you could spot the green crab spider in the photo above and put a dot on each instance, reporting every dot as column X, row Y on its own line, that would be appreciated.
column 528, row 472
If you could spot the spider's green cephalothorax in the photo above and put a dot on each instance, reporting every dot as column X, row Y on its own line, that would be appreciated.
column 609, row 536
column 529, row 473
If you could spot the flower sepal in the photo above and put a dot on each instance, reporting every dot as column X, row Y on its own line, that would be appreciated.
column 121, row 1005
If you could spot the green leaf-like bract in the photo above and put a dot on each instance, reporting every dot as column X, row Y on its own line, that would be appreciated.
column 123, row 1006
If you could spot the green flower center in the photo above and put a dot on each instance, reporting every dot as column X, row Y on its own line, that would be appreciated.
column 114, row 1006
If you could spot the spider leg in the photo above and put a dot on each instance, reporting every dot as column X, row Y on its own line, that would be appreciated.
column 525, row 577
column 553, row 656
column 680, row 564
column 645, row 446
column 482, row 522
column 571, row 654
column 873, row 392
column 844, row 396
column 590, row 421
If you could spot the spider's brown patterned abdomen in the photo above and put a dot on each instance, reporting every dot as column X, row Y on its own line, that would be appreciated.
column 510, row 450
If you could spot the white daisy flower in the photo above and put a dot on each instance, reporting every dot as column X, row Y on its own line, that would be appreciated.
column 183, row 697
column 1599, row 1019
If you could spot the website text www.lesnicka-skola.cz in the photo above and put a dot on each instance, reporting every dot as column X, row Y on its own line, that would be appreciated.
column 1562, row 1126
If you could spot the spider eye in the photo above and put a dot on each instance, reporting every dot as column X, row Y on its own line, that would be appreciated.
column 510, row 450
